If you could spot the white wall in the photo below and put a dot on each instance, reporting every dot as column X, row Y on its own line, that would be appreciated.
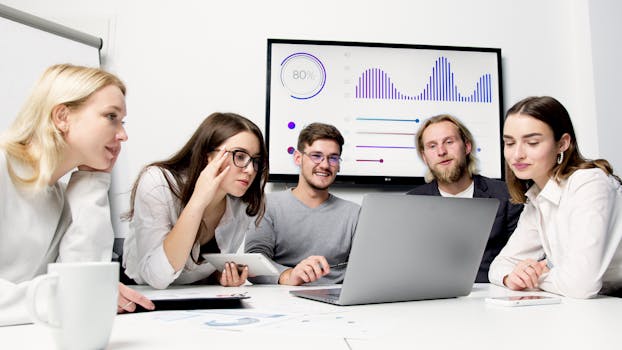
column 183, row 60
column 606, row 35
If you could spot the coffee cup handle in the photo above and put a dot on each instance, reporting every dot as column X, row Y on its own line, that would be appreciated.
column 50, row 280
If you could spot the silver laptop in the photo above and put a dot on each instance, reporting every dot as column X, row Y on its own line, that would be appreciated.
column 412, row 248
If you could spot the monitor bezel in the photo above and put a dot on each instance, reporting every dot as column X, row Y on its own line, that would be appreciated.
column 367, row 180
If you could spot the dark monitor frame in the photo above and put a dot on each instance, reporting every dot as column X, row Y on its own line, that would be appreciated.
column 372, row 180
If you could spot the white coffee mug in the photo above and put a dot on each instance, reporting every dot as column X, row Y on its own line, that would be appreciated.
column 81, row 302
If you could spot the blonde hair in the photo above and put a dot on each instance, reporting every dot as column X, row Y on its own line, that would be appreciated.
column 465, row 135
column 33, row 138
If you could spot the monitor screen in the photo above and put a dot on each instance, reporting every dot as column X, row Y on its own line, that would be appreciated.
column 378, row 95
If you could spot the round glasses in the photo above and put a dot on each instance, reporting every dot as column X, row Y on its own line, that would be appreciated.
column 318, row 158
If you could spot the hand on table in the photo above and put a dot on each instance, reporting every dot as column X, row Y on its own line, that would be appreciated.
column 309, row 270
column 128, row 298
column 526, row 274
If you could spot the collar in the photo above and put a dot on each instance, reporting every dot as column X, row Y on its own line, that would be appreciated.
column 466, row 193
column 329, row 199
column 552, row 192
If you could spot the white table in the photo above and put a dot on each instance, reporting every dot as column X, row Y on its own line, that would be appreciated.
column 459, row 323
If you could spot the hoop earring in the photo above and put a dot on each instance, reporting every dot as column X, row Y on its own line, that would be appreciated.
column 560, row 157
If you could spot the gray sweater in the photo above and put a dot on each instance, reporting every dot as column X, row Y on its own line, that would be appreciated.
column 290, row 232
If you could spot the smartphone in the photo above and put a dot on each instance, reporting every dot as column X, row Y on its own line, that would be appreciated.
column 523, row 300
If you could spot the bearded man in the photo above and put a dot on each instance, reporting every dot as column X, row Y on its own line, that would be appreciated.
column 447, row 147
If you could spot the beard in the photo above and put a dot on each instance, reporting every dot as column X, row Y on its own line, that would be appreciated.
column 452, row 174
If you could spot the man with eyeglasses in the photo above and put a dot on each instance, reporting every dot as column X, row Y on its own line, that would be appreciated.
column 446, row 146
column 306, row 231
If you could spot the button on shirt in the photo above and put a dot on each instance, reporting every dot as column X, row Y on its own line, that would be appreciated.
column 577, row 225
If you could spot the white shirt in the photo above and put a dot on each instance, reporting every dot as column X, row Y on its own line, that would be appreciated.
column 577, row 225
column 156, row 211
column 467, row 193
column 53, row 225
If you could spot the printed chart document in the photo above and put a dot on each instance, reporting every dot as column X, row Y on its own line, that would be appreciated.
column 268, row 310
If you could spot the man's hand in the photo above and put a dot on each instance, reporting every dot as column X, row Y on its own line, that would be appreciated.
column 309, row 270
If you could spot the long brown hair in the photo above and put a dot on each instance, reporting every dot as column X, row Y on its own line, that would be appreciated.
column 186, row 165
column 551, row 112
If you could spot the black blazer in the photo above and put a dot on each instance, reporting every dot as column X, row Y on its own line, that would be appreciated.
column 505, row 221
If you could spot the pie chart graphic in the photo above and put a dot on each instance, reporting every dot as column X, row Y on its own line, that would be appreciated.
column 303, row 75
column 237, row 322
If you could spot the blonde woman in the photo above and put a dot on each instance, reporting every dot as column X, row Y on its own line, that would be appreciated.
column 72, row 119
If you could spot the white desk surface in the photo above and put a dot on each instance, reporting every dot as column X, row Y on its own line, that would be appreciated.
column 288, row 322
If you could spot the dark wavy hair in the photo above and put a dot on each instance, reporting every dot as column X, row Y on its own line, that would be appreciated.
column 551, row 112
column 186, row 165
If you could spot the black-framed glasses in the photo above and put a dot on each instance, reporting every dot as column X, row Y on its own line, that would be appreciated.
column 318, row 158
column 241, row 159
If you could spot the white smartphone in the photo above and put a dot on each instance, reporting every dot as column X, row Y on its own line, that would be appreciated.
column 523, row 300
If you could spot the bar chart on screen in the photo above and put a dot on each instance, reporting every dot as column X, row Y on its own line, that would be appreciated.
column 378, row 95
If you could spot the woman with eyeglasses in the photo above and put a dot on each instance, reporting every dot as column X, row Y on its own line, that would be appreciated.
column 201, row 200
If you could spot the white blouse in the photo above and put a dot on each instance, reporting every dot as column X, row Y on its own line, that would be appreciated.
column 156, row 211
column 577, row 226
column 58, row 224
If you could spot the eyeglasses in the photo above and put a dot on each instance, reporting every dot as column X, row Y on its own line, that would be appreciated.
column 241, row 159
column 318, row 158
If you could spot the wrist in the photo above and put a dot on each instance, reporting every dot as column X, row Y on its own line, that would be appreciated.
column 195, row 206
column 284, row 277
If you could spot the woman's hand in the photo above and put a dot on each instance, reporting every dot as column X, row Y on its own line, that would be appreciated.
column 230, row 277
column 209, row 181
column 88, row 168
column 128, row 298
column 179, row 241
column 107, row 170
column 526, row 274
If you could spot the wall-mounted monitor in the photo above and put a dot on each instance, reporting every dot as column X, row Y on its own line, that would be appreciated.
column 378, row 95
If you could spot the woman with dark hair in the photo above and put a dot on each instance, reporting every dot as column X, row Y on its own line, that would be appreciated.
column 201, row 200
column 567, row 240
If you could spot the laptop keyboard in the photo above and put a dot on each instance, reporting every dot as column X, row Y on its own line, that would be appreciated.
column 330, row 295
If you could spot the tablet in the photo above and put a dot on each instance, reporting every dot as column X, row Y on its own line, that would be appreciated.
column 190, row 298
column 258, row 264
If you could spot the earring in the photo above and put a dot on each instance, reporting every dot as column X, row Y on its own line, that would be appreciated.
column 560, row 157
